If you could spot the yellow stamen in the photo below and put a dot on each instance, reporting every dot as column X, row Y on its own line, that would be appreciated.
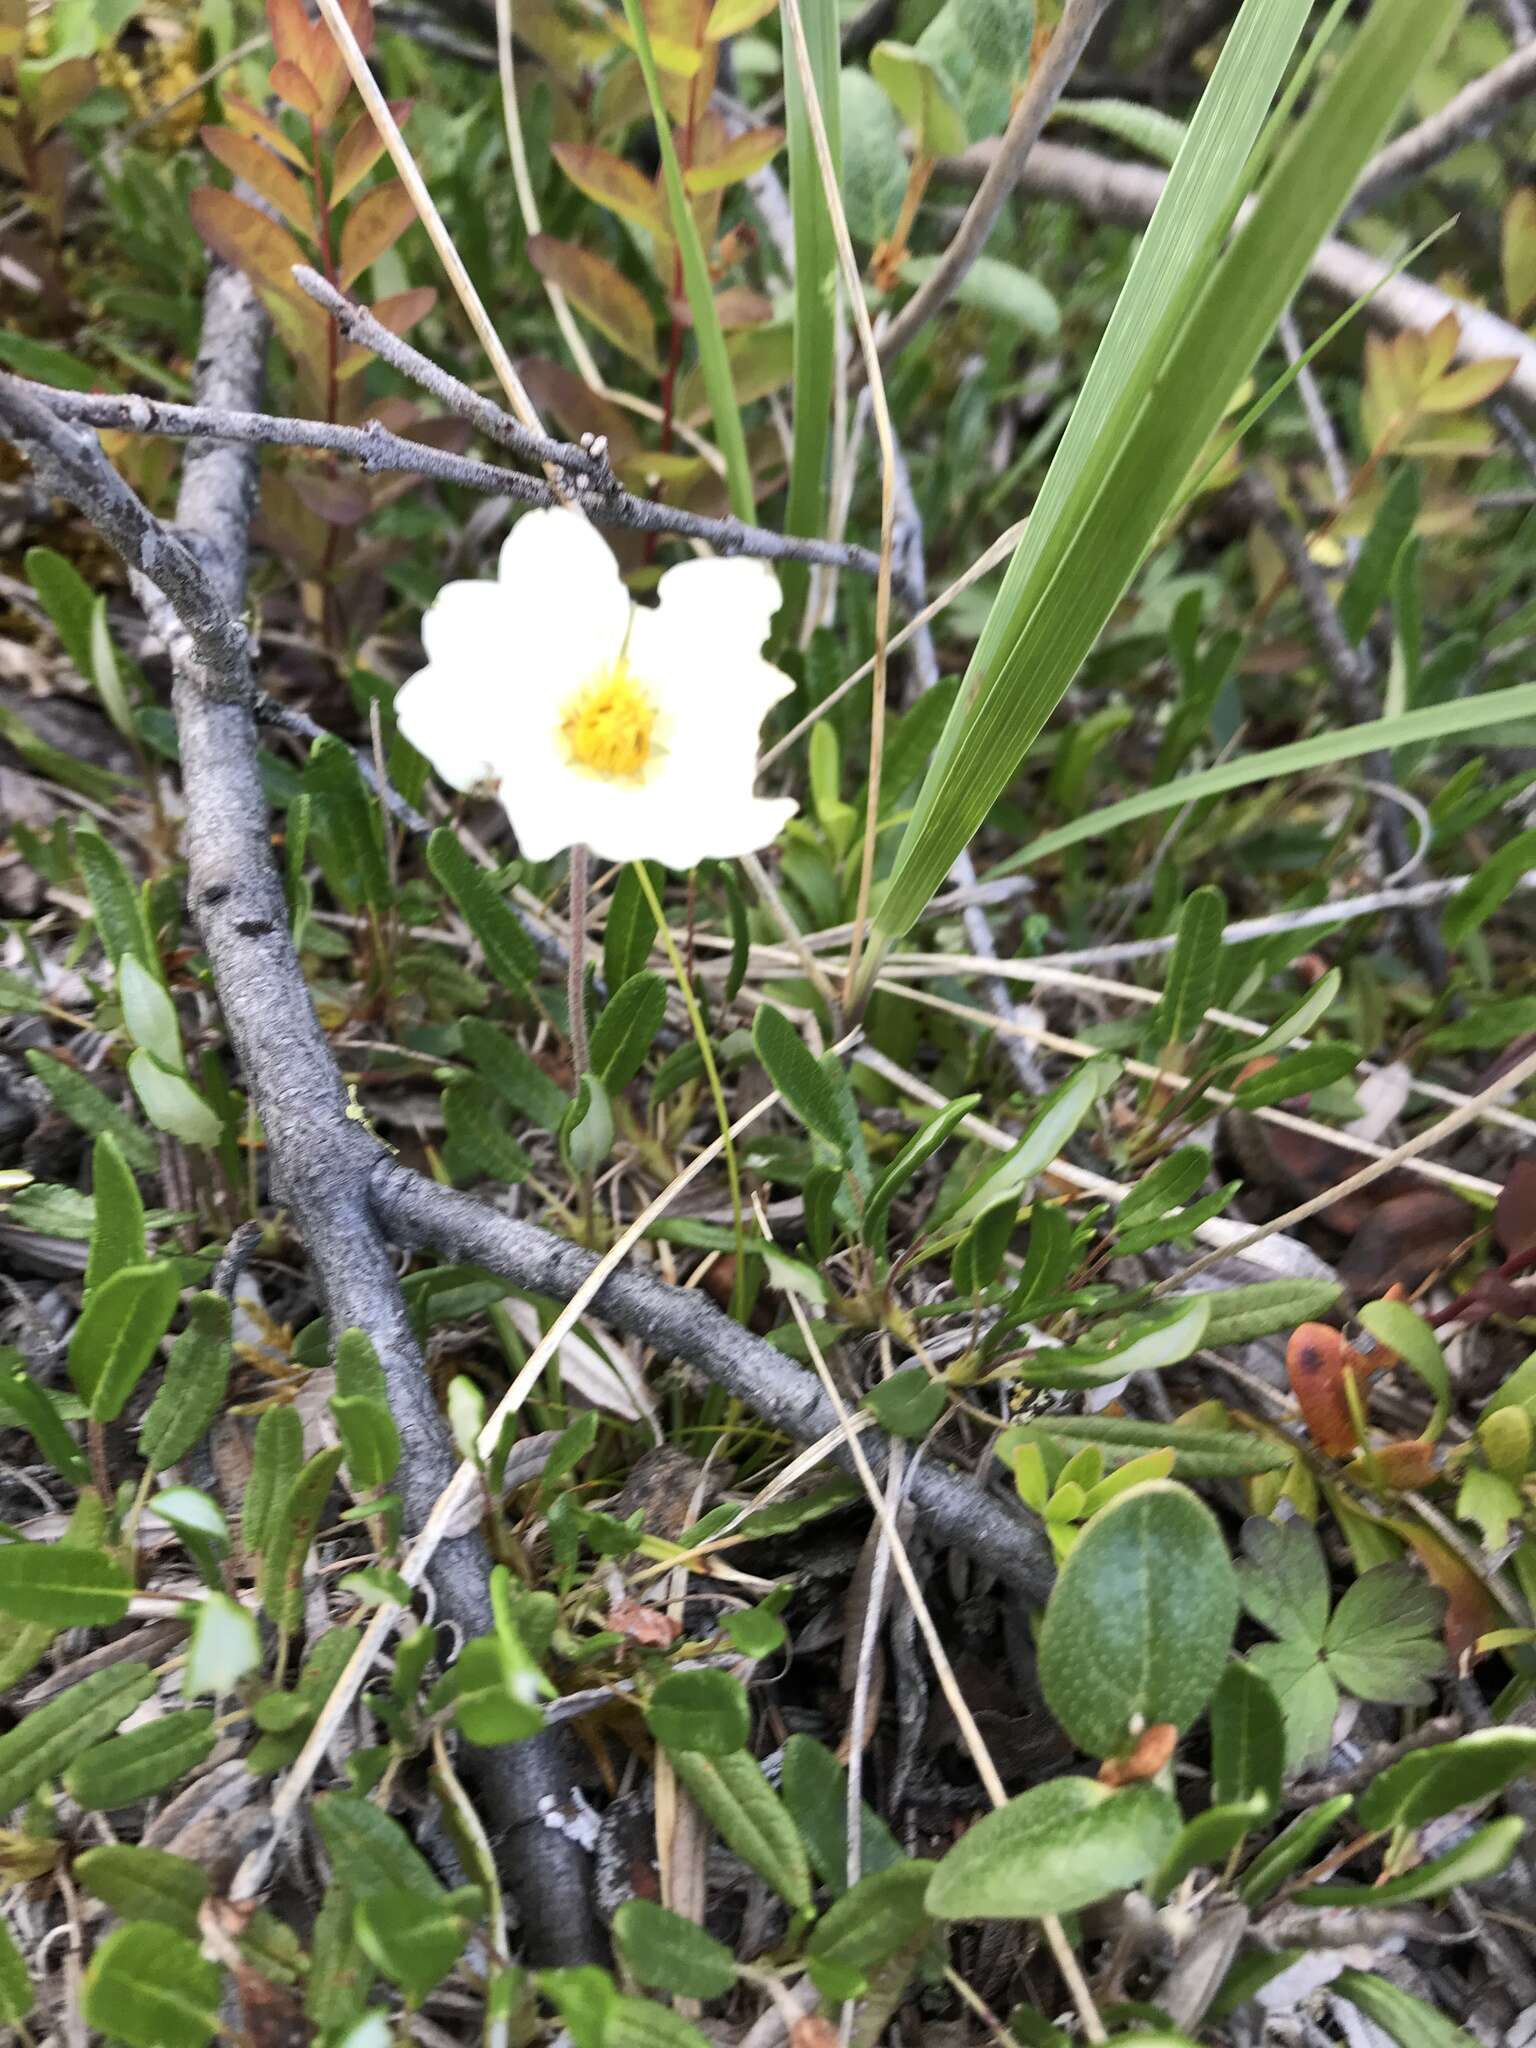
column 609, row 726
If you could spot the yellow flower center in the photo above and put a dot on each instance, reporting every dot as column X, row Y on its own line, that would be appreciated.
column 609, row 726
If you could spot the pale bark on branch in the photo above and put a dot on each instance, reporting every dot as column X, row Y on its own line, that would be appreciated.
column 1129, row 192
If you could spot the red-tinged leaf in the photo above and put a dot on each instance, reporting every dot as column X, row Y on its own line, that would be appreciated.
column 739, row 158
column 375, row 224
column 249, row 120
column 1404, row 1466
column 739, row 306
column 51, row 96
column 247, row 159
column 292, row 32
column 642, row 1624
column 338, row 500
column 1316, row 1363
column 1514, row 1216
column 401, row 310
column 1153, row 1752
column 600, row 293
column 332, row 79
column 1460, row 389
column 615, row 184
column 293, row 88
column 1469, row 1607
column 246, row 239
column 1405, row 1239
column 561, row 394
column 359, row 150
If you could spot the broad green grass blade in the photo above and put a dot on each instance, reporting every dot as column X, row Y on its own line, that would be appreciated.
column 713, row 360
column 1193, row 325
column 815, row 294
column 1322, row 750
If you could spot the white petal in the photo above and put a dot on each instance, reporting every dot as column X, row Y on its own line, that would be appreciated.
column 699, row 650
column 466, row 623
column 456, row 717
column 739, row 596
column 568, row 609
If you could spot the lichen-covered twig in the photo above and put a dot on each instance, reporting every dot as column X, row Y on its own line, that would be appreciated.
column 1129, row 192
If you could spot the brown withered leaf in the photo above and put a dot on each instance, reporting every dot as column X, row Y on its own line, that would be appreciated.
column 359, row 150
column 601, row 293
column 560, row 392
column 1154, row 1749
column 813, row 2032
column 1514, row 1215
column 643, row 1624
column 246, row 239
column 1405, row 1239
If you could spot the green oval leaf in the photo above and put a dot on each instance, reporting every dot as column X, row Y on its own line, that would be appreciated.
column 705, row 1711
column 66, row 1586
column 1429, row 1782
column 668, row 1953
column 1054, row 1849
column 1140, row 1621
column 43, row 1744
column 878, row 1917
column 142, row 1762
column 152, row 1988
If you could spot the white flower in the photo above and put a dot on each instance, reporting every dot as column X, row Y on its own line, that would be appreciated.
column 628, row 728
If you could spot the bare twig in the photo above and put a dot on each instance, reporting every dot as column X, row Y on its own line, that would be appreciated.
column 319, row 1158
column 1438, row 890
column 376, row 448
column 1129, row 193
column 1468, row 114
column 683, row 1323
column 1046, row 84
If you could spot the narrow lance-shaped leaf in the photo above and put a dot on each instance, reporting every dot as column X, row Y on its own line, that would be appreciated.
column 1186, row 332
column 1348, row 743
column 118, row 1334
column 1191, row 983
column 117, row 1223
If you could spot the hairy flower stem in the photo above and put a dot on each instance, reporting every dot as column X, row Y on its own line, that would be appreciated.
column 717, row 1093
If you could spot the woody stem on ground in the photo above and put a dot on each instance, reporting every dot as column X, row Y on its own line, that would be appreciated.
column 319, row 1160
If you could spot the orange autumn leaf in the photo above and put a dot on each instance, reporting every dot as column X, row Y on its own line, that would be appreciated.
column 614, row 184
column 374, row 225
column 260, row 169
column 600, row 293
column 359, row 150
column 246, row 239
column 1317, row 1361
column 294, row 88
column 1154, row 1750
